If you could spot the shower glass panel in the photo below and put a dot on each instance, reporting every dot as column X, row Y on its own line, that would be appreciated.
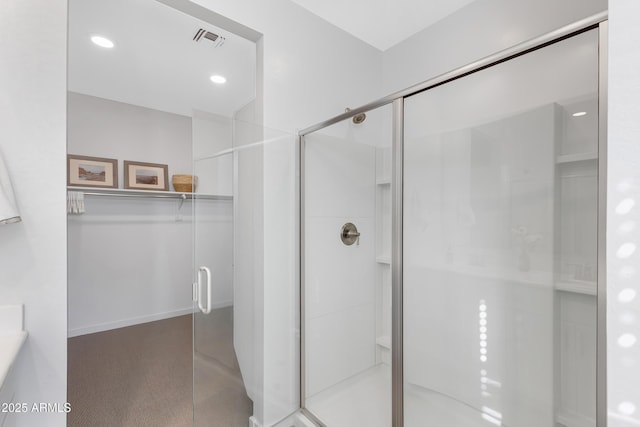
column 500, row 248
column 347, row 273
column 219, row 395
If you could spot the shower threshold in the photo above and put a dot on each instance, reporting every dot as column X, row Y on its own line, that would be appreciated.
column 365, row 399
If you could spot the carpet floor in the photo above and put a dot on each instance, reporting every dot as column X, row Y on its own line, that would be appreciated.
column 143, row 375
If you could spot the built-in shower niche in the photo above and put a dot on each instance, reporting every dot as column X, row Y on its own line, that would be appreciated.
column 383, row 255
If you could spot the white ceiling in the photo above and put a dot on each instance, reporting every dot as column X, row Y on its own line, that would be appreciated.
column 382, row 24
column 155, row 62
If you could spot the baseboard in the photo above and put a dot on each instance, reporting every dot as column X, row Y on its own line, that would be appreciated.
column 136, row 320
column 100, row 327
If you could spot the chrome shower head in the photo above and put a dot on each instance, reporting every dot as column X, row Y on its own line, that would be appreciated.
column 358, row 118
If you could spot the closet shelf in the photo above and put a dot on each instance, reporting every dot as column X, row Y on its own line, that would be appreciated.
column 120, row 192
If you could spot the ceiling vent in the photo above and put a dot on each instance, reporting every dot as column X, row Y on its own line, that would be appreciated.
column 214, row 38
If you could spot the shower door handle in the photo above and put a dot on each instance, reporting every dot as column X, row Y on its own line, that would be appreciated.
column 205, row 309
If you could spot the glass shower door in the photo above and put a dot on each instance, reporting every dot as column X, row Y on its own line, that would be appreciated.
column 245, row 322
column 347, row 272
column 499, row 244
column 219, row 395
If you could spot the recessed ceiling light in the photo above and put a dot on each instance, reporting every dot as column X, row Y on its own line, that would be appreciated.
column 218, row 79
column 580, row 114
column 102, row 41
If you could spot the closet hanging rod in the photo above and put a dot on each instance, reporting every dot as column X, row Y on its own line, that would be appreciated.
column 118, row 192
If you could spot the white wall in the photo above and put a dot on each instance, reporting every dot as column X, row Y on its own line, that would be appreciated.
column 249, row 272
column 129, row 262
column 248, row 194
column 623, row 175
column 344, row 301
column 312, row 70
column 480, row 29
column 212, row 138
column 281, row 296
column 130, row 259
column 340, row 282
column 103, row 128
column 32, row 139
column 266, row 311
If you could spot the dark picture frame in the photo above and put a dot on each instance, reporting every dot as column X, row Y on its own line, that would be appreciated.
column 146, row 176
column 86, row 171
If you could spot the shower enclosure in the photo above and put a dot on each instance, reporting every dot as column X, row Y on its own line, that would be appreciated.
column 452, row 261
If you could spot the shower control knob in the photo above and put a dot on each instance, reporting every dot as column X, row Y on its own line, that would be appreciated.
column 349, row 234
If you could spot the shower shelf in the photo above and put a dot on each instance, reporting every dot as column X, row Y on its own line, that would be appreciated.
column 119, row 192
column 383, row 260
column 579, row 157
column 533, row 278
column 577, row 286
column 384, row 341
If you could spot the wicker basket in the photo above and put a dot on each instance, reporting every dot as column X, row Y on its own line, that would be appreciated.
column 184, row 183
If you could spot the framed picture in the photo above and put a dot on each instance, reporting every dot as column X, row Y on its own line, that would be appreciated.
column 146, row 176
column 84, row 171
